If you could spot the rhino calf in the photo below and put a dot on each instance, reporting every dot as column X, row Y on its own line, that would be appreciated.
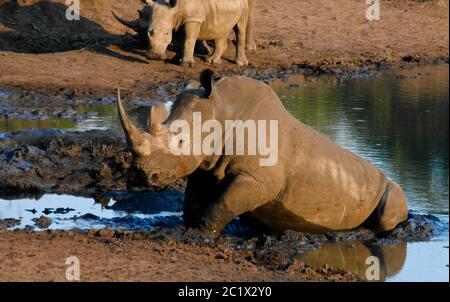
column 314, row 186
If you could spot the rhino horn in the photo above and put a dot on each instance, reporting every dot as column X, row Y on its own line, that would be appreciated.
column 133, row 135
column 134, row 25
column 157, row 115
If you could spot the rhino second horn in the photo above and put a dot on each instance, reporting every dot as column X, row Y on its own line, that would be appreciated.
column 134, row 25
column 133, row 135
column 157, row 115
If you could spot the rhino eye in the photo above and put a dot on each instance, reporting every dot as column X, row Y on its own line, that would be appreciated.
column 180, row 143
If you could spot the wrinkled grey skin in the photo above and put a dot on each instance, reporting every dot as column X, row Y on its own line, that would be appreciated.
column 201, row 20
column 315, row 186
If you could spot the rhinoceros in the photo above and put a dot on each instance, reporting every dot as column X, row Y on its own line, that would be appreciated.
column 314, row 186
column 201, row 20
column 142, row 25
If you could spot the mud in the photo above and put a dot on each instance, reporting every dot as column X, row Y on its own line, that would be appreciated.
column 49, row 160
column 119, row 256
column 171, row 252
column 8, row 223
column 70, row 104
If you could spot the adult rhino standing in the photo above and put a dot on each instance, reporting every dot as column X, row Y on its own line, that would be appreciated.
column 314, row 186
column 202, row 20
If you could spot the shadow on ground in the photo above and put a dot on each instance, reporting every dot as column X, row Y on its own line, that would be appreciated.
column 42, row 27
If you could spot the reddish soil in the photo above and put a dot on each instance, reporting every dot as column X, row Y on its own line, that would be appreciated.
column 42, row 257
column 39, row 48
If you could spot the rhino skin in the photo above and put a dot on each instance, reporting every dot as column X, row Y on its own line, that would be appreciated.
column 316, row 186
column 202, row 20
column 142, row 24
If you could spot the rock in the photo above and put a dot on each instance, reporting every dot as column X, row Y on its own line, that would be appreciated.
column 8, row 222
column 43, row 222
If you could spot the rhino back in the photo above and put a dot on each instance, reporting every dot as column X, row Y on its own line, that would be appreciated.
column 320, row 185
column 216, row 16
column 329, row 186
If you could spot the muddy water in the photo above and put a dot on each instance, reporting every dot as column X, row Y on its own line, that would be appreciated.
column 399, row 122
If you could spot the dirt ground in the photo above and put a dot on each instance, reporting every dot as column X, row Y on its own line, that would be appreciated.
column 39, row 48
column 135, row 258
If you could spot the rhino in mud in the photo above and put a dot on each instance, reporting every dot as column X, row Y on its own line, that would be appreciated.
column 314, row 186
column 198, row 20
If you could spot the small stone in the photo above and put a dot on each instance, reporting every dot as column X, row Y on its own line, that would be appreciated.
column 43, row 222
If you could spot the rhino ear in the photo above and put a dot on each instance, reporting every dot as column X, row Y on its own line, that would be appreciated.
column 172, row 3
column 207, row 81
column 158, row 114
column 148, row 2
column 191, row 84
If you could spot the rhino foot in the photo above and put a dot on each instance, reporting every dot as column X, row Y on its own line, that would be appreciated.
column 214, row 60
column 187, row 63
column 250, row 46
column 242, row 61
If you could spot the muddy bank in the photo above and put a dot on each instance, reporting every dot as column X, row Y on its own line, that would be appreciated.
column 177, row 254
column 135, row 258
column 55, row 106
column 40, row 49
column 49, row 160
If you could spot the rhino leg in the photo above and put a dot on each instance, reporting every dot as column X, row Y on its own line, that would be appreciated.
column 395, row 209
column 202, row 48
column 240, row 30
column 220, row 47
column 242, row 194
column 390, row 211
column 192, row 30
column 200, row 190
column 250, row 42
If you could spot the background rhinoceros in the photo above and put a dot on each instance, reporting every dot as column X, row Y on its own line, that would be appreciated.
column 197, row 20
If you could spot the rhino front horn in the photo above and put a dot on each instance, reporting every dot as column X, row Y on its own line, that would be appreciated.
column 133, row 135
column 134, row 25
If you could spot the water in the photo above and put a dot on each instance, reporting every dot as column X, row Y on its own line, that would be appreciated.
column 118, row 210
column 400, row 123
column 105, row 117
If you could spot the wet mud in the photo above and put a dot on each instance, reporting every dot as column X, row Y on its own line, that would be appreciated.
column 294, row 254
column 49, row 160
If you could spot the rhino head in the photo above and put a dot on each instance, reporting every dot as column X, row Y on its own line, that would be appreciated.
column 154, row 26
column 151, row 150
column 163, row 19
column 140, row 25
